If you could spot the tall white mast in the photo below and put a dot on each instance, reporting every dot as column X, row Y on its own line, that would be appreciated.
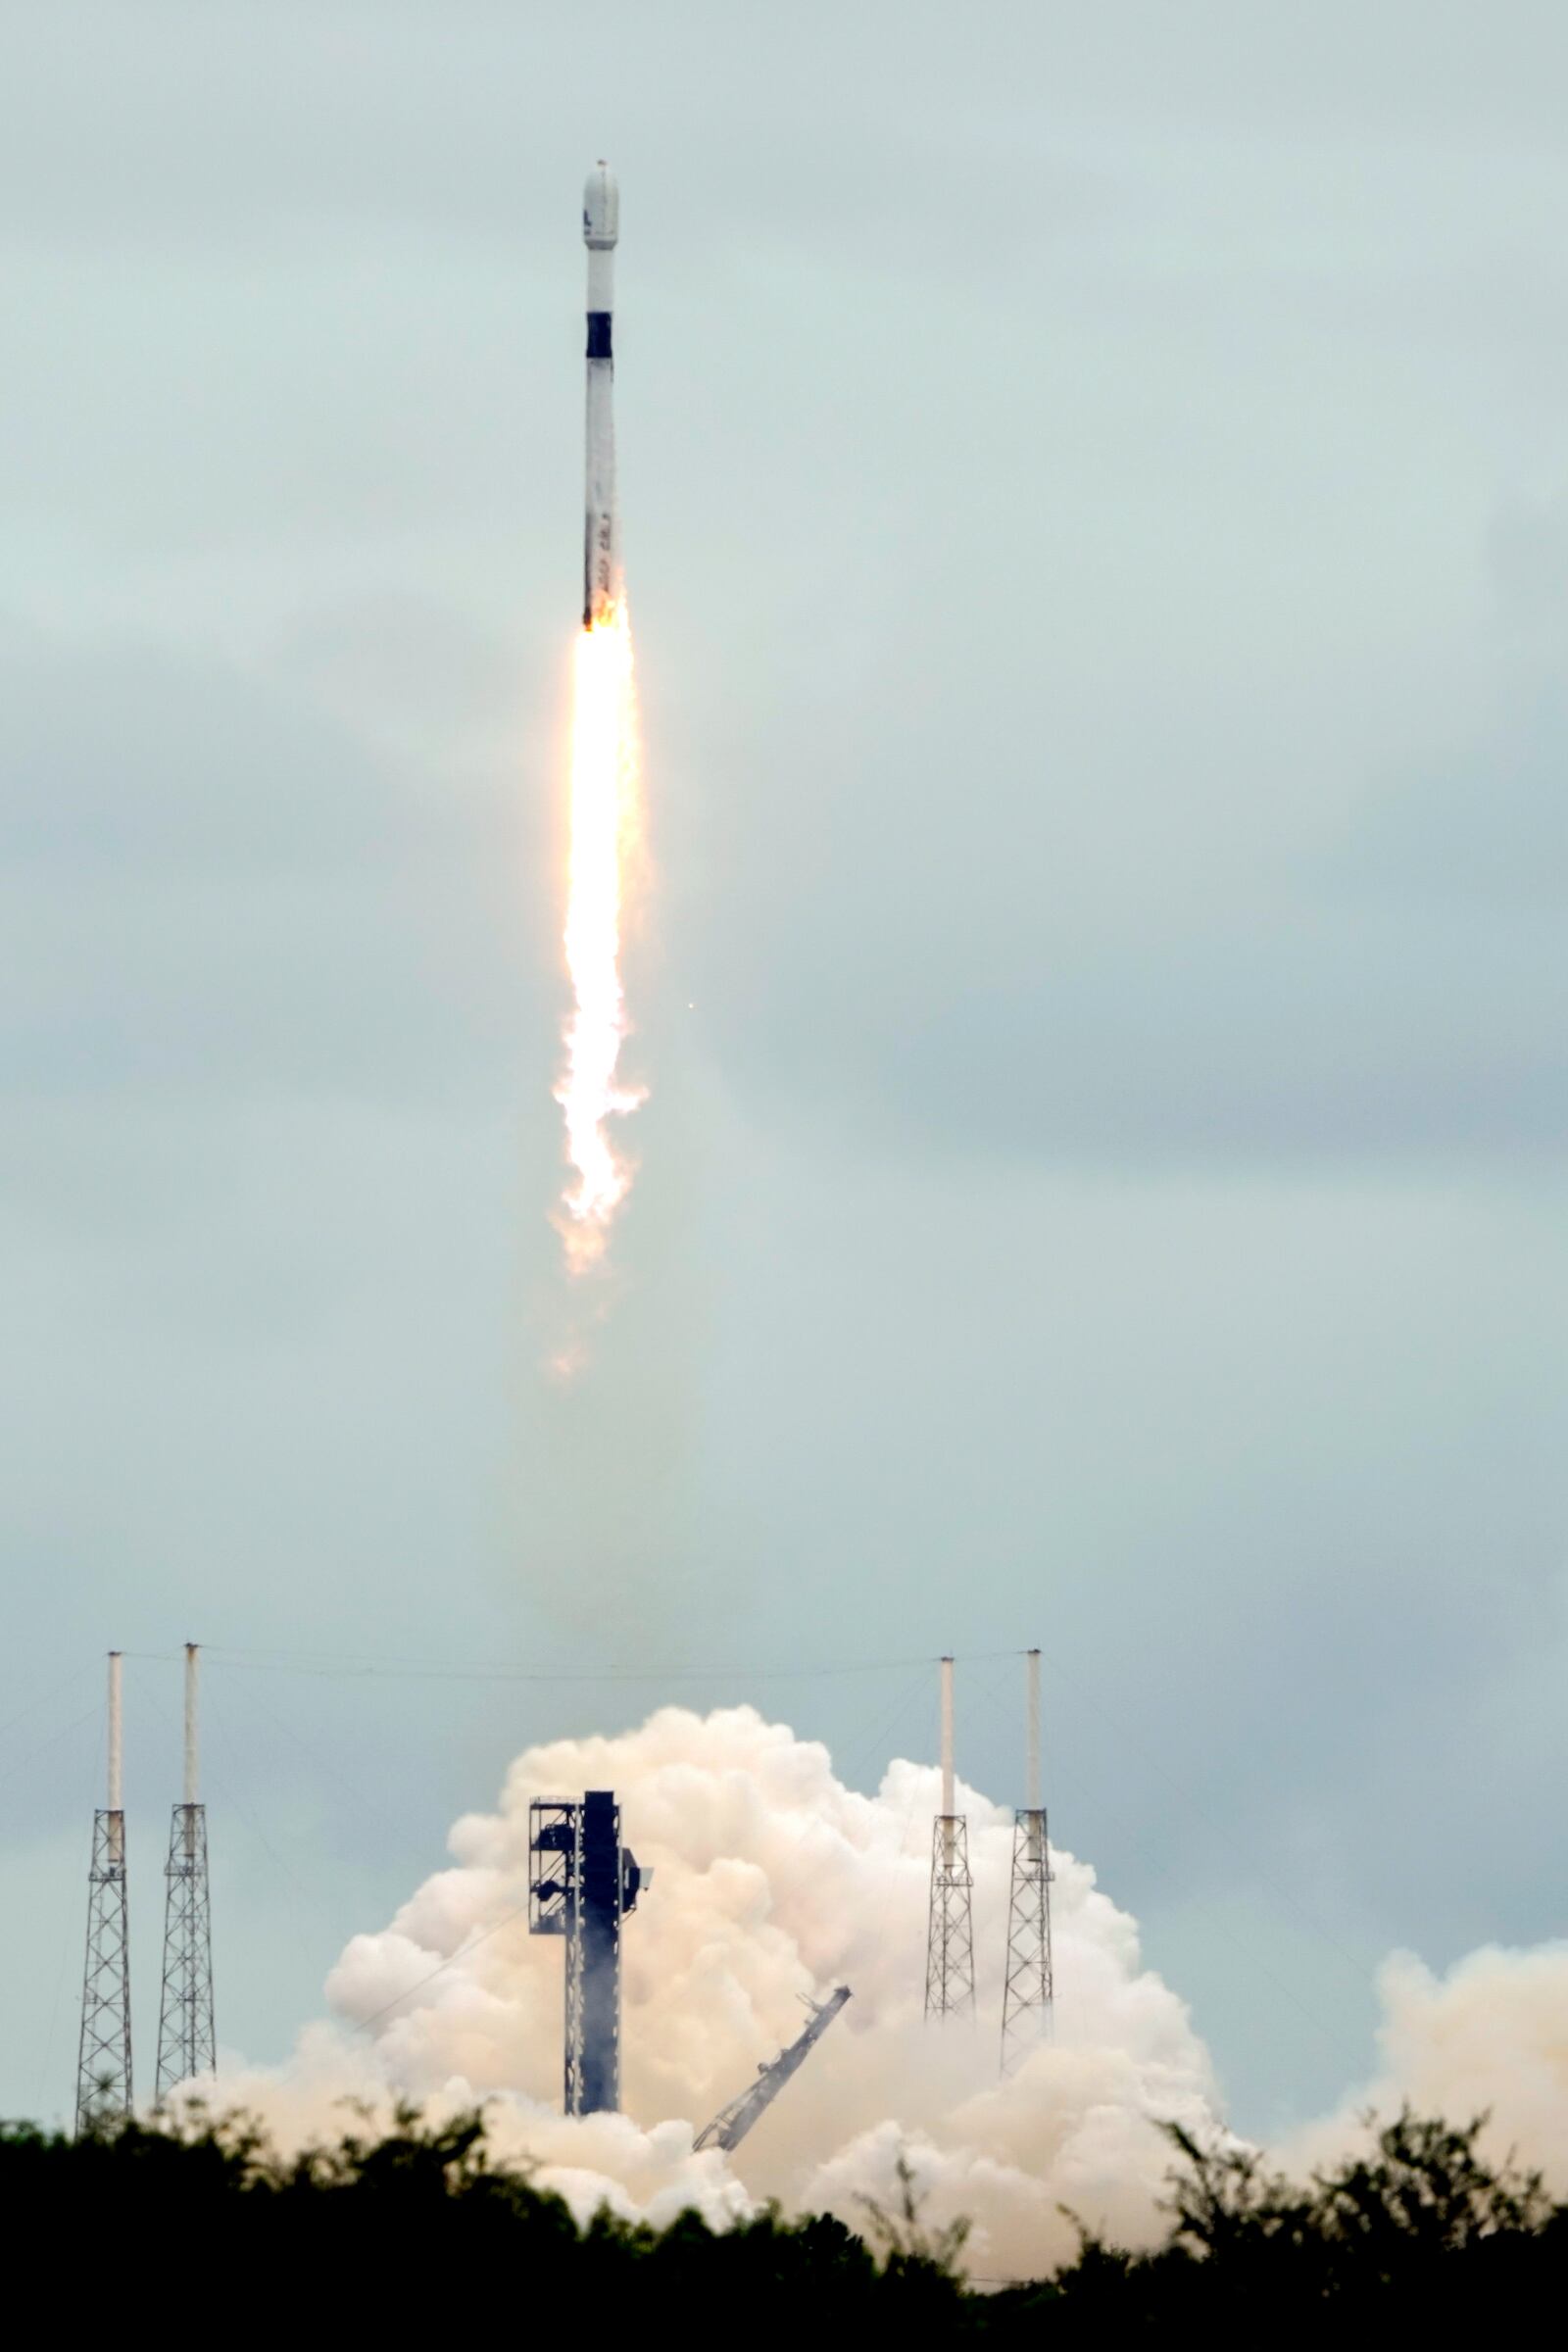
column 947, row 1747
column 191, row 1757
column 116, row 1756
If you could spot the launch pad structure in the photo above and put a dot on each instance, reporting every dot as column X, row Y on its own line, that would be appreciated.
column 1029, row 1987
column 186, row 2047
column 584, row 1885
column 731, row 2124
column 104, row 2087
column 186, row 2043
column 950, row 1927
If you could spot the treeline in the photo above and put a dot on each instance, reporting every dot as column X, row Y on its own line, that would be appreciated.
column 423, row 2228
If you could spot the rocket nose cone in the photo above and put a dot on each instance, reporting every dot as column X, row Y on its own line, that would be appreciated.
column 601, row 208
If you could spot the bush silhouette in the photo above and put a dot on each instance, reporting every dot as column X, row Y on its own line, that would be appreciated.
column 419, row 2226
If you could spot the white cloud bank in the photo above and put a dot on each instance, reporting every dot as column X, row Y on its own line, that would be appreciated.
column 772, row 1880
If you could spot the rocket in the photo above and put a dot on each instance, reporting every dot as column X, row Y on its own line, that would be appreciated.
column 600, row 546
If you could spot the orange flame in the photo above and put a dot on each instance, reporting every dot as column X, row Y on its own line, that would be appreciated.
column 604, row 829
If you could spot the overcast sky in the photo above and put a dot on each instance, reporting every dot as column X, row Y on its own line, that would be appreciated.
column 1096, row 498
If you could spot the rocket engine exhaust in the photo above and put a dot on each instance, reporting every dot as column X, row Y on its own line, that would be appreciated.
column 605, row 798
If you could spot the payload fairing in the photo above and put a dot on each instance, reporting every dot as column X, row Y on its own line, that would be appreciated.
column 601, row 568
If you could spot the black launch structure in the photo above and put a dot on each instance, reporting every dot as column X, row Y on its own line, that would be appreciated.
column 584, row 1884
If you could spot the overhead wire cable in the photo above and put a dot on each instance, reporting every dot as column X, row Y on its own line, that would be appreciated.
column 43, row 1699
column 1254, row 1869
column 348, row 1664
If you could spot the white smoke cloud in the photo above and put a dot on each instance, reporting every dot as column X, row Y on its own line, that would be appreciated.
column 772, row 1881
column 1490, row 2037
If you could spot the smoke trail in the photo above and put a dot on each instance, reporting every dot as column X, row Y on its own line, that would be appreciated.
column 605, row 813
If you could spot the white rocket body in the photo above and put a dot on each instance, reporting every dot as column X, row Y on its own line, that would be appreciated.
column 601, row 568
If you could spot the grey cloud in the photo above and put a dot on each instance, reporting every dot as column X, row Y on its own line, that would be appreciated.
column 134, row 760
column 1528, row 545
column 1401, row 998
column 212, row 885
column 1311, row 1039
column 1486, row 833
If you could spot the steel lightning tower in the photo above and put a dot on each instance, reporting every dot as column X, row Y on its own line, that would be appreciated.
column 1029, row 1990
column 950, row 1933
column 185, row 2041
column 585, row 1885
column 104, row 2090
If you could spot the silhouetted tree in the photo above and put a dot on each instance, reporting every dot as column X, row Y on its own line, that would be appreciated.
column 420, row 2227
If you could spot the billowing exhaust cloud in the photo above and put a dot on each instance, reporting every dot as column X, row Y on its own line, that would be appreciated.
column 772, row 1880
column 1490, row 2037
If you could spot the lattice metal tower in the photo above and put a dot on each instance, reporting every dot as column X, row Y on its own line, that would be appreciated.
column 735, row 2118
column 104, row 2090
column 1030, row 1989
column 586, row 1881
column 185, row 2042
column 950, row 1932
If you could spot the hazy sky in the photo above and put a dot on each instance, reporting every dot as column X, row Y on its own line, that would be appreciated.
column 1096, row 498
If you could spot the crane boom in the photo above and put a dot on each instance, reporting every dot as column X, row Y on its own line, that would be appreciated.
column 731, row 2124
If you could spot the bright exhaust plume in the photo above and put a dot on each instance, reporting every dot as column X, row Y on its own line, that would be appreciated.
column 605, row 826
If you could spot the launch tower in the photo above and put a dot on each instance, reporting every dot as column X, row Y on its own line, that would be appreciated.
column 584, row 1884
